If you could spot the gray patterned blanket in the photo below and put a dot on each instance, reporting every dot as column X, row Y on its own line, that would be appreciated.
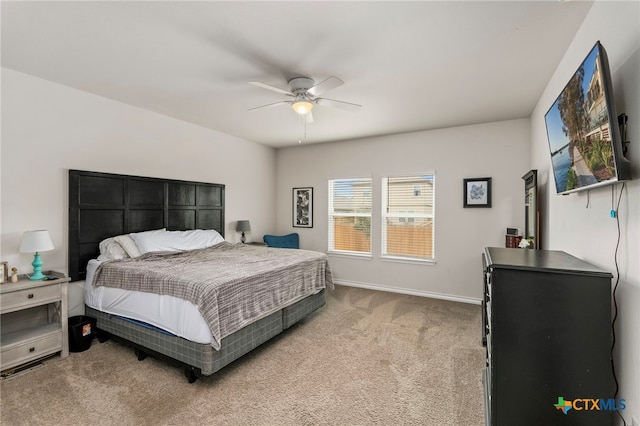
column 232, row 284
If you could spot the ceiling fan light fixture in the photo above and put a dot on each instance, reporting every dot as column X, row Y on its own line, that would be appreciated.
column 302, row 106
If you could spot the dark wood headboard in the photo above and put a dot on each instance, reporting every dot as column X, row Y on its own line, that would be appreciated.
column 103, row 205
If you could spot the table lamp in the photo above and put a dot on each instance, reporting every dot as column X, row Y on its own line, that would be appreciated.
column 243, row 226
column 35, row 242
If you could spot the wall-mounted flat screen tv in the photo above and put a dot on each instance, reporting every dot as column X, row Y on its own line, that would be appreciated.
column 582, row 129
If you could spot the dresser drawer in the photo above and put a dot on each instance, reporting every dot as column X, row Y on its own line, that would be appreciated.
column 22, row 299
column 30, row 350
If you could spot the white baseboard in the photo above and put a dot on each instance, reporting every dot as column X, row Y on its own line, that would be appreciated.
column 411, row 292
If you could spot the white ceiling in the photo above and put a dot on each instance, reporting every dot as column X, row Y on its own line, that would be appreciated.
column 411, row 65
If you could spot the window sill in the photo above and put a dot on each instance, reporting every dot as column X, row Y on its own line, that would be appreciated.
column 394, row 259
column 350, row 255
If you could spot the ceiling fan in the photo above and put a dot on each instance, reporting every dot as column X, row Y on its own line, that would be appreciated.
column 305, row 92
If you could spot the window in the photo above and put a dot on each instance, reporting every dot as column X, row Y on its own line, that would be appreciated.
column 350, row 216
column 408, row 217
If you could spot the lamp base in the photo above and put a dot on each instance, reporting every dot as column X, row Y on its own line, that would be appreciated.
column 242, row 238
column 37, row 268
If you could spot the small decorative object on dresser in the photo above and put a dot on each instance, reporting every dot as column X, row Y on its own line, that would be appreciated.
column 477, row 192
column 303, row 207
column 513, row 231
column 512, row 241
column 14, row 275
column 3, row 272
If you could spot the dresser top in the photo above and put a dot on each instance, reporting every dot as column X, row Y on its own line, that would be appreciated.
column 540, row 260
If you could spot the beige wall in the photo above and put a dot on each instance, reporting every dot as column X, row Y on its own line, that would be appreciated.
column 48, row 128
column 580, row 223
column 497, row 150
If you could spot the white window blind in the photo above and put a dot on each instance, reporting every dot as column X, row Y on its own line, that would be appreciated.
column 350, row 216
column 408, row 214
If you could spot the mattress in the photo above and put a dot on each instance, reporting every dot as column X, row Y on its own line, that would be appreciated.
column 174, row 315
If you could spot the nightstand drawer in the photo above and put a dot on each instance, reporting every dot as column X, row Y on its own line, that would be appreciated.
column 30, row 349
column 29, row 297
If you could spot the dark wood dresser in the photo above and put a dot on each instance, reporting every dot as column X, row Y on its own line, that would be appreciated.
column 547, row 328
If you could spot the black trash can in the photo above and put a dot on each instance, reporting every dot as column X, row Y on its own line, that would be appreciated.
column 81, row 331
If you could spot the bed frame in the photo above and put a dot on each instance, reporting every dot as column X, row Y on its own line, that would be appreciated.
column 103, row 205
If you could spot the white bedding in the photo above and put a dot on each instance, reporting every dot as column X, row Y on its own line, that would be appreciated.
column 175, row 315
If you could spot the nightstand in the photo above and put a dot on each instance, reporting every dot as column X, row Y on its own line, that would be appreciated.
column 34, row 320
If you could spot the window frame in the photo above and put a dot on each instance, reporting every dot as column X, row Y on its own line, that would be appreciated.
column 332, row 214
column 408, row 217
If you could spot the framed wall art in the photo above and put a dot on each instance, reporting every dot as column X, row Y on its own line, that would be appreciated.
column 477, row 192
column 303, row 207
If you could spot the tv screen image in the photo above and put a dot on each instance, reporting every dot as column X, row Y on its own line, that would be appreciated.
column 582, row 129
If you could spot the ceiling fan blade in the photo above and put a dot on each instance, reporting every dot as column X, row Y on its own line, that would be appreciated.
column 271, row 105
column 325, row 85
column 348, row 106
column 270, row 87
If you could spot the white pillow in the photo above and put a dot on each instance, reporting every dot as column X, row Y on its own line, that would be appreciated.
column 129, row 245
column 177, row 240
column 110, row 249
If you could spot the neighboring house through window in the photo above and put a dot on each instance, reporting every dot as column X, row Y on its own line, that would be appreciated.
column 350, row 216
column 408, row 216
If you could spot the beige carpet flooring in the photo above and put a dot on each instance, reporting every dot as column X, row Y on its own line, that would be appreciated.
column 365, row 358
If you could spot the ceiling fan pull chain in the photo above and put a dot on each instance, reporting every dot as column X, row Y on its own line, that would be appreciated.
column 303, row 121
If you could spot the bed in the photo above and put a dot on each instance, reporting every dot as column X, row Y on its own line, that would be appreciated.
column 103, row 206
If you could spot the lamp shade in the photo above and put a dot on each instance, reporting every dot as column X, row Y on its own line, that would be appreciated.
column 302, row 106
column 36, row 241
column 243, row 226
